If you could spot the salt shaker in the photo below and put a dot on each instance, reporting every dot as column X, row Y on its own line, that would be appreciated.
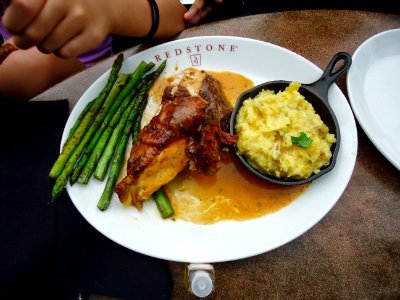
column 200, row 278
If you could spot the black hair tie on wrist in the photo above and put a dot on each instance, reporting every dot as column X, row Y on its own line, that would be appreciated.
column 155, row 16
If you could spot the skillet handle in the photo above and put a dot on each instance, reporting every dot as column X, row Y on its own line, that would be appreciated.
column 321, row 86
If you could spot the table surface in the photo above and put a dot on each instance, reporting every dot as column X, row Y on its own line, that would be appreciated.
column 354, row 251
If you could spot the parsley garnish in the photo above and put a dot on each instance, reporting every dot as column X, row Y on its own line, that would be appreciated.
column 303, row 140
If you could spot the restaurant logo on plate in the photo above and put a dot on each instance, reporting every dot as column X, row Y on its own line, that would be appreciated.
column 194, row 52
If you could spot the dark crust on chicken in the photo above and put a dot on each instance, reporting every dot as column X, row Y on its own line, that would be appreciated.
column 211, row 91
column 175, row 121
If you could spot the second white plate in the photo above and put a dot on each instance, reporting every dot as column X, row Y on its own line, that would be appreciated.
column 373, row 86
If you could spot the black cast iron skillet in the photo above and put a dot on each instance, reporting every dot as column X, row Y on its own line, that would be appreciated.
column 317, row 94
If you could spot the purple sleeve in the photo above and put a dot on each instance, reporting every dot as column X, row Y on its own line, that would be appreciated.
column 3, row 31
column 102, row 51
column 89, row 58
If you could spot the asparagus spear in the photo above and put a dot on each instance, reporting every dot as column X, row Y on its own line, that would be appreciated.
column 69, row 147
column 126, row 91
column 119, row 157
column 101, row 143
column 66, row 171
column 136, row 125
column 79, row 120
column 163, row 204
column 115, row 169
column 102, row 166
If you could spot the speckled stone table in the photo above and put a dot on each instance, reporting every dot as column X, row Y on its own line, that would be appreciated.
column 354, row 251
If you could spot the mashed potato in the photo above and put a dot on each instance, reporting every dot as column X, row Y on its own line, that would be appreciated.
column 265, row 126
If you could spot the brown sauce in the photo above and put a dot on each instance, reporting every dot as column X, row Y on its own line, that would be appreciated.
column 232, row 84
column 233, row 193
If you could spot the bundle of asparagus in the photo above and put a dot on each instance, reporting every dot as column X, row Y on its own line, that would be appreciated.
column 101, row 133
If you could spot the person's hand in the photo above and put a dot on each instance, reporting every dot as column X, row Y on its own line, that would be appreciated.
column 199, row 10
column 66, row 28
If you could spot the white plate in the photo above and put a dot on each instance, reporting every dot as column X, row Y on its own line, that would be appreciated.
column 373, row 86
column 146, row 232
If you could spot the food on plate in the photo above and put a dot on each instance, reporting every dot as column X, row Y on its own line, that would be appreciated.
column 232, row 193
column 100, row 133
column 178, row 129
column 188, row 130
column 280, row 134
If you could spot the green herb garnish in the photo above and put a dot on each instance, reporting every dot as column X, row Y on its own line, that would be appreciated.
column 303, row 140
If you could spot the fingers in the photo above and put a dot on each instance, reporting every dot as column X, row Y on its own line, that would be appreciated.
column 79, row 32
column 191, row 15
column 70, row 39
column 202, row 14
column 42, row 26
column 31, row 22
column 199, row 10
column 196, row 12
column 66, row 28
column 79, row 44
column 63, row 33
column 49, row 18
column 20, row 13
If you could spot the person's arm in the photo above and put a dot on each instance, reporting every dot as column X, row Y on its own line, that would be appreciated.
column 26, row 73
column 70, row 28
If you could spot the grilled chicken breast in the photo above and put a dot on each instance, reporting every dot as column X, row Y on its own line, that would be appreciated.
column 189, row 129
